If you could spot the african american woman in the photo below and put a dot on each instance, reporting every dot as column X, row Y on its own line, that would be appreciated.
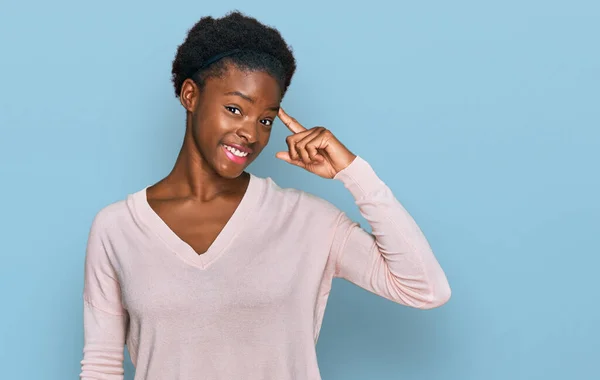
column 214, row 273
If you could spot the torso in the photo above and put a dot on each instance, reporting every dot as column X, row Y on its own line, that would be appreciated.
column 254, row 298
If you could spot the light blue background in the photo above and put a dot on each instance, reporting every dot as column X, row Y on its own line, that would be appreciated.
column 483, row 118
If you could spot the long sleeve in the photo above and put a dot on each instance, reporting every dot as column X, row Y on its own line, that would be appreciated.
column 395, row 260
column 104, row 318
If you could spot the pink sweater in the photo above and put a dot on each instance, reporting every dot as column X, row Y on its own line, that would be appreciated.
column 251, row 307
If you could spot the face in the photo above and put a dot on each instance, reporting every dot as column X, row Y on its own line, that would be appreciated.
column 232, row 117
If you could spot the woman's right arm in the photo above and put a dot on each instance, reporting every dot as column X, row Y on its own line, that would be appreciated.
column 104, row 318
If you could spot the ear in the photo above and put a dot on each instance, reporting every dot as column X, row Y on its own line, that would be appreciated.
column 189, row 95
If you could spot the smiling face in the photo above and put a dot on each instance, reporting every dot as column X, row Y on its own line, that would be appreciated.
column 231, row 117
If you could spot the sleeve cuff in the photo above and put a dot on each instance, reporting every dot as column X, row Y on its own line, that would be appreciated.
column 360, row 178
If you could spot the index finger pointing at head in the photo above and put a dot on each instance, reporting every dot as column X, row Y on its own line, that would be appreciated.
column 290, row 122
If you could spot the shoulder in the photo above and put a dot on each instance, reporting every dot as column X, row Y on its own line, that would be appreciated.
column 296, row 201
column 113, row 215
column 110, row 214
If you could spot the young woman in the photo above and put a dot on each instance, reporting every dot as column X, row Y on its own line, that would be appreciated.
column 213, row 273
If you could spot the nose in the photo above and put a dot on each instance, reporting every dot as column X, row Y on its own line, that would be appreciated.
column 248, row 130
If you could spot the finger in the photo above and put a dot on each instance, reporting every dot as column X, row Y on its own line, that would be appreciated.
column 313, row 153
column 285, row 156
column 292, row 141
column 312, row 141
column 290, row 122
column 313, row 149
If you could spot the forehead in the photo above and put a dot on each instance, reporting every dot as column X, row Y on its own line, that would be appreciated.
column 256, row 84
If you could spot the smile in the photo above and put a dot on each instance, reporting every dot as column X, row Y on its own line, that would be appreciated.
column 235, row 152
column 235, row 155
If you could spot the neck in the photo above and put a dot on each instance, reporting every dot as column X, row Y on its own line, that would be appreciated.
column 193, row 177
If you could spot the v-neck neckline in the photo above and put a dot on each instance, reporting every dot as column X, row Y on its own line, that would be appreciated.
column 240, row 217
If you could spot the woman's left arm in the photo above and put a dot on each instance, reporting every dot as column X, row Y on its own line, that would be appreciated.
column 395, row 260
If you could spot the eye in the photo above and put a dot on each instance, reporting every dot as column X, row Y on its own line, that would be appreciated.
column 233, row 110
column 267, row 122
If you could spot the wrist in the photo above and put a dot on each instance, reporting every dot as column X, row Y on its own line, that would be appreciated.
column 346, row 161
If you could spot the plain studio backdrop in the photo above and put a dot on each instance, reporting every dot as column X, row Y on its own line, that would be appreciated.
column 483, row 118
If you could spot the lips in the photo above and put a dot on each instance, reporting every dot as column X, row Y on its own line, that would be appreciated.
column 236, row 153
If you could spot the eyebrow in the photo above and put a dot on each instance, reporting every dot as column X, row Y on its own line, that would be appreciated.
column 249, row 98
column 241, row 95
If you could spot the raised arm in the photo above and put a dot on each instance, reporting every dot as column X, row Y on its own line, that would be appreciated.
column 395, row 260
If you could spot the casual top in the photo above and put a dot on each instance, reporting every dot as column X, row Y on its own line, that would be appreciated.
column 251, row 307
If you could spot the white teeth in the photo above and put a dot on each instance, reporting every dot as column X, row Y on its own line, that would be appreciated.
column 235, row 151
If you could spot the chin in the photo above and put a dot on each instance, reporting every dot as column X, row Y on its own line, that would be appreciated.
column 227, row 167
column 229, row 170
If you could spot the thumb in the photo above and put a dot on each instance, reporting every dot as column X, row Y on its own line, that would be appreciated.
column 285, row 156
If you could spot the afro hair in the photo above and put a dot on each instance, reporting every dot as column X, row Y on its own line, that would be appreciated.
column 247, row 43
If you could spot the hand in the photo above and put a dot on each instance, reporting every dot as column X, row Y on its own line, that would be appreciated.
column 316, row 150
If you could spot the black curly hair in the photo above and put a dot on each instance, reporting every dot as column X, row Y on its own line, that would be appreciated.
column 247, row 43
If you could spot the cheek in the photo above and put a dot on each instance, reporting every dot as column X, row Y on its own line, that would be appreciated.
column 265, row 137
column 211, row 127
